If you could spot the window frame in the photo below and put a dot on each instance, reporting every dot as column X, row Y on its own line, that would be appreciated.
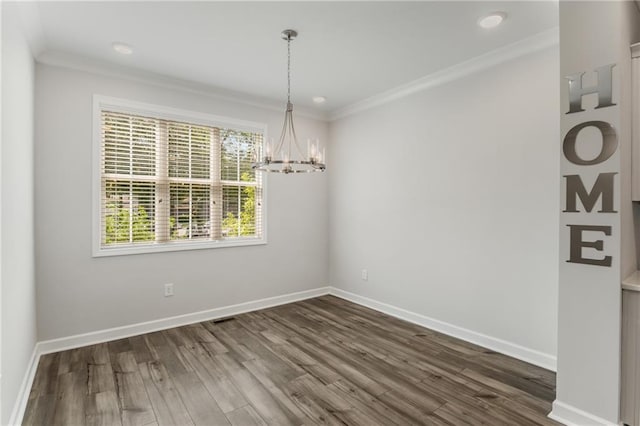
column 126, row 106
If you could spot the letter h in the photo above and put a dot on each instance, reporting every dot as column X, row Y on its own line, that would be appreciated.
column 603, row 88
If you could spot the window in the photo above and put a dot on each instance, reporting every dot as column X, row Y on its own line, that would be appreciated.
column 173, row 180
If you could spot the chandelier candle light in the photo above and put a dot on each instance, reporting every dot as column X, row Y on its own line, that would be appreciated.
column 287, row 157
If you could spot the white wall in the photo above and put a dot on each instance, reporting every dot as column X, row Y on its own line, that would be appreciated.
column 594, row 34
column 449, row 198
column 78, row 293
column 17, row 255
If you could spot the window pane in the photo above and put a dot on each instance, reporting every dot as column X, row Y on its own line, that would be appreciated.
column 248, row 211
column 247, row 150
column 239, row 211
column 116, row 144
column 200, row 152
column 200, row 224
column 190, row 211
column 158, row 182
column 129, row 144
column 178, row 150
column 129, row 212
column 230, row 210
column 189, row 151
column 237, row 154
column 143, row 146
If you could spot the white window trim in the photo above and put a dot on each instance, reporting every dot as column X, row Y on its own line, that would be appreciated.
column 100, row 103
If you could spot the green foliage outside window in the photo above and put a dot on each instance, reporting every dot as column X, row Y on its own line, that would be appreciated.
column 246, row 224
column 197, row 186
column 117, row 228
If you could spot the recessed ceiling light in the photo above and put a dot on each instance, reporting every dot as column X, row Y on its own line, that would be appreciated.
column 122, row 48
column 492, row 20
column 319, row 99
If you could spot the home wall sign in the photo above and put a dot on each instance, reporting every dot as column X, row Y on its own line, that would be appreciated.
column 603, row 188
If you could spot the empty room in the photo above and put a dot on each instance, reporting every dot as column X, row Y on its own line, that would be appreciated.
column 320, row 212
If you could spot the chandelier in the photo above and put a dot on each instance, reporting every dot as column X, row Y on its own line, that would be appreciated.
column 287, row 156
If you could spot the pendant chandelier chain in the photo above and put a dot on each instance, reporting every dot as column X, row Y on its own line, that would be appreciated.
column 289, row 69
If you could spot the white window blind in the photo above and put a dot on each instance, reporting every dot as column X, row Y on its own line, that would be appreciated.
column 170, row 183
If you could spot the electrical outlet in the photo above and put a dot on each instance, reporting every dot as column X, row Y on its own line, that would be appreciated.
column 168, row 290
column 365, row 275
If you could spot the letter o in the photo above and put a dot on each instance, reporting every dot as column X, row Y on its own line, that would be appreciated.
column 609, row 143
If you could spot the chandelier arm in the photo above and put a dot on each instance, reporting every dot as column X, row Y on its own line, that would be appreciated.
column 295, row 141
column 292, row 136
column 286, row 135
column 283, row 132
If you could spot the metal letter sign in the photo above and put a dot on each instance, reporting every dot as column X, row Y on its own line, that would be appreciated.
column 604, row 89
column 577, row 243
column 603, row 188
column 609, row 143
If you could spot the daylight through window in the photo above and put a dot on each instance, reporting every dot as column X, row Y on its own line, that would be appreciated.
column 169, row 182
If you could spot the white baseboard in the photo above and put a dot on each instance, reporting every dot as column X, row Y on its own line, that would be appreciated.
column 25, row 389
column 571, row 416
column 520, row 352
column 115, row 333
column 101, row 336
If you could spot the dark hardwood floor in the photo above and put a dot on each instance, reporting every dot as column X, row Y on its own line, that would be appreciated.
column 320, row 361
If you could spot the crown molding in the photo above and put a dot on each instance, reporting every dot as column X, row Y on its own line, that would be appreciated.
column 27, row 16
column 540, row 41
column 93, row 66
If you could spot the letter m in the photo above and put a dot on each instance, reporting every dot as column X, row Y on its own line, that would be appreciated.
column 602, row 188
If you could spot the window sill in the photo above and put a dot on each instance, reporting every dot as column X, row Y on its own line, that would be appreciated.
column 176, row 246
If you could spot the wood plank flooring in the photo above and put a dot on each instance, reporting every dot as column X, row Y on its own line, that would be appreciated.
column 320, row 361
